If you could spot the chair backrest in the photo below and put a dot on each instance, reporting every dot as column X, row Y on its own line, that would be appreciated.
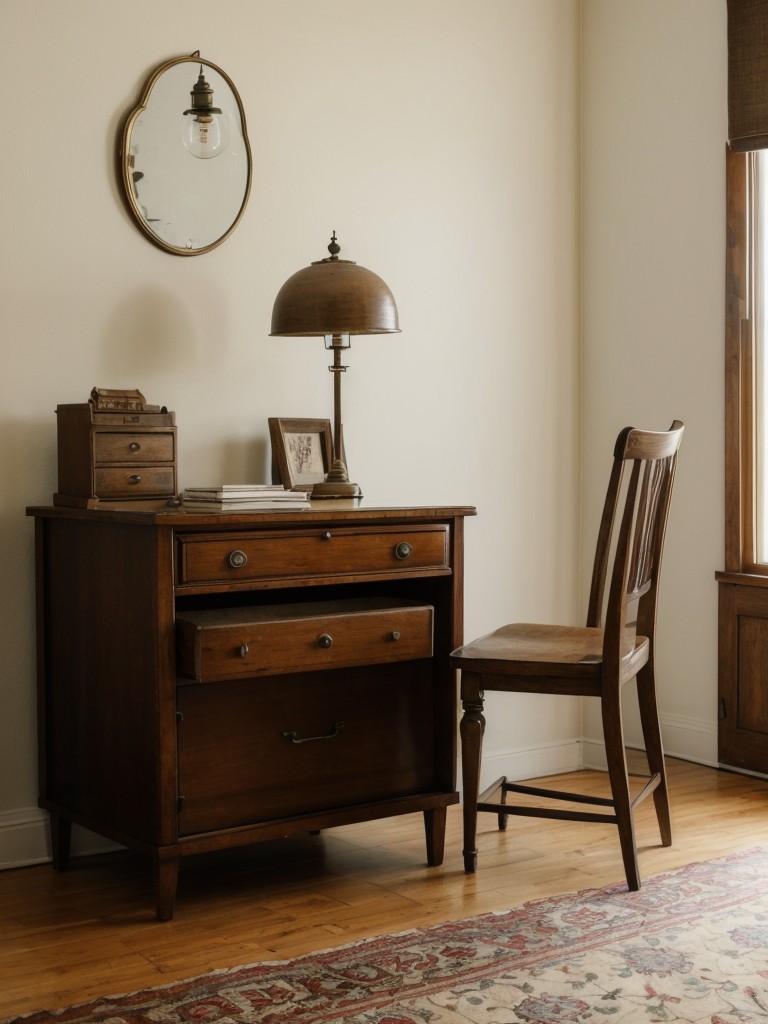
column 631, row 536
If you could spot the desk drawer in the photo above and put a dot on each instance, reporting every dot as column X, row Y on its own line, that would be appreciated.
column 134, row 482
column 242, row 643
column 249, row 557
column 125, row 447
column 303, row 743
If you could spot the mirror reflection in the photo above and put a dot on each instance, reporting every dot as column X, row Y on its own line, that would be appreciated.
column 186, row 162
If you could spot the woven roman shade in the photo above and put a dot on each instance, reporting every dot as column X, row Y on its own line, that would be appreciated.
column 747, row 74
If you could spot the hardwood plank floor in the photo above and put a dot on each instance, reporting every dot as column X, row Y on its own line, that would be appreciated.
column 70, row 937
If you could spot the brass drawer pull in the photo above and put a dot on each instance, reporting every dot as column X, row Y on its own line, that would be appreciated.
column 237, row 559
column 134, row 478
column 395, row 634
column 244, row 649
column 134, row 446
column 325, row 640
column 403, row 550
column 294, row 736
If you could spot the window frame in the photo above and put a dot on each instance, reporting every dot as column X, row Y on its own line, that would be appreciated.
column 740, row 374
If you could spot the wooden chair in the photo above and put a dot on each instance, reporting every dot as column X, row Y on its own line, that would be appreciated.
column 615, row 646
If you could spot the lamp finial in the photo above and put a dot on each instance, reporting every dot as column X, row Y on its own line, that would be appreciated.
column 334, row 248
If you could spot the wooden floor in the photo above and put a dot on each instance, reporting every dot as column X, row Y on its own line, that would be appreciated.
column 67, row 938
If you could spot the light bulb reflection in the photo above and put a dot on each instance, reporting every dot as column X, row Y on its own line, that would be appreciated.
column 205, row 132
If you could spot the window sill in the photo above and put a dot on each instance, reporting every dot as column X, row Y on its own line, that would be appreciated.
column 743, row 579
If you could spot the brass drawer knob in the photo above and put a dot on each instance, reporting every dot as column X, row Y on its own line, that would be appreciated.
column 134, row 478
column 237, row 559
column 325, row 640
column 135, row 446
column 403, row 550
column 244, row 649
column 395, row 634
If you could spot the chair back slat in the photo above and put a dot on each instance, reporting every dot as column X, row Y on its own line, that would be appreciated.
column 647, row 521
column 606, row 532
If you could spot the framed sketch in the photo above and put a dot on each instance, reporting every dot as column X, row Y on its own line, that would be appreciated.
column 302, row 452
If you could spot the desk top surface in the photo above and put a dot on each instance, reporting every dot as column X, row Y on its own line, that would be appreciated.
column 164, row 513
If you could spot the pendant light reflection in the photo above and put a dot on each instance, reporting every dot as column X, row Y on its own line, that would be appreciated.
column 205, row 131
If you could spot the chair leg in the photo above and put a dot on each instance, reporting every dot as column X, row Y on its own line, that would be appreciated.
column 613, row 734
column 502, row 818
column 649, row 718
column 472, row 728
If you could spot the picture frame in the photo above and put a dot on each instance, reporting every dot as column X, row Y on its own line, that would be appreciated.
column 302, row 451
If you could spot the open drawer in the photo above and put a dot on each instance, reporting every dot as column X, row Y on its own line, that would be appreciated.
column 238, row 643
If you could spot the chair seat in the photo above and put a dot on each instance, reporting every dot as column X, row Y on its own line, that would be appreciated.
column 529, row 649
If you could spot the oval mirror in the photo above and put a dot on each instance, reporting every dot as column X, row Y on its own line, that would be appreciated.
column 186, row 162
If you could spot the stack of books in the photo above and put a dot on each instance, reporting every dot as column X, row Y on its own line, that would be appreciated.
column 243, row 498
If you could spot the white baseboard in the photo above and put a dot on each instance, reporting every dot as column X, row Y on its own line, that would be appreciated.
column 530, row 762
column 25, row 838
column 691, row 739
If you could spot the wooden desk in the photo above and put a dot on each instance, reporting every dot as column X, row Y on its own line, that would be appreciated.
column 208, row 681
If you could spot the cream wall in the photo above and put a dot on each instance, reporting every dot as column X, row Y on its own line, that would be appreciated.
column 654, row 130
column 439, row 138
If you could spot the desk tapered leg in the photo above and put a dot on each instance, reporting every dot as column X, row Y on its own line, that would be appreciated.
column 166, row 881
column 61, row 841
column 472, row 729
column 434, row 827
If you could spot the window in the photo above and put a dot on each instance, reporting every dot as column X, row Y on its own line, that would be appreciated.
column 743, row 586
column 747, row 364
column 746, row 290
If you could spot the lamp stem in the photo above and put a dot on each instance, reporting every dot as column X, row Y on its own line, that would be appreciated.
column 337, row 369
column 336, row 483
column 338, row 471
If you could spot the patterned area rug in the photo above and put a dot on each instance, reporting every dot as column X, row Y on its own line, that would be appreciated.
column 692, row 945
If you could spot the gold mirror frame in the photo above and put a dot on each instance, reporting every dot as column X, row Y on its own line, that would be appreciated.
column 184, row 205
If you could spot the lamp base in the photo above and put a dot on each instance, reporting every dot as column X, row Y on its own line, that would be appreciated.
column 336, row 489
column 336, row 483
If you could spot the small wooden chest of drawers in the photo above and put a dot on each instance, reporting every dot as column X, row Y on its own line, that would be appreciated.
column 114, row 455
column 244, row 676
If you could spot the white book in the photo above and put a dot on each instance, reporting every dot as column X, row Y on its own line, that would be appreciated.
column 225, row 491
column 287, row 496
column 244, row 505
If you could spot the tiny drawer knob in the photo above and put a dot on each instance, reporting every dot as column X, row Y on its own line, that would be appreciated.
column 134, row 478
column 395, row 634
column 327, row 535
column 237, row 559
column 403, row 550
column 244, row 648
column 135, row 446
column 325, row 640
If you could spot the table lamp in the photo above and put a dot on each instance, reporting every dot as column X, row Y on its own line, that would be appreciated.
column 334, row 299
